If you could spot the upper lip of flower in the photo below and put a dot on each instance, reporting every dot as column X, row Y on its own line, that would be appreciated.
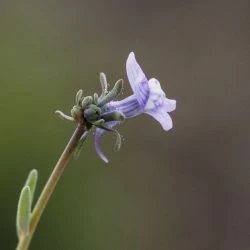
column 137, row 79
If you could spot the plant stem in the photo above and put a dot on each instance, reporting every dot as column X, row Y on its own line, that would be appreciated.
column 24, row 241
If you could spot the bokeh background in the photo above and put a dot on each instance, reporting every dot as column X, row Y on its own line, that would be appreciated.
column 185, row 189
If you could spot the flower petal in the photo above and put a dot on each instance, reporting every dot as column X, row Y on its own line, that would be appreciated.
column 137, row 79
column 97, row 136
column 134, row 71
column 162, row 117
column 170, row 105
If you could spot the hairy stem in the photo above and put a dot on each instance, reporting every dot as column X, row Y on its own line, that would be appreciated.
column 24, row 241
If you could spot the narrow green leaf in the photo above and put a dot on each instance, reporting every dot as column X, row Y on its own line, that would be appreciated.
column 80, row 145
column 79, row 96
column 24, row 211
column 113, row 116
column 118, row 142
column 112, row 94
column 99, row 122
column 31, row 182
column 86, row 101
column 64, row 117
column 104, row 85
column 96, row 98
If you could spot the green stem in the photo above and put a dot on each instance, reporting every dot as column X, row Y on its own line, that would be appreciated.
column 24, row 241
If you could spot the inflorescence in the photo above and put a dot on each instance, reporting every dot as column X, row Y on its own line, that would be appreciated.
column 103, row 112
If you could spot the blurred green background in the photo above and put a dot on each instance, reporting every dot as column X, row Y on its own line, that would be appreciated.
column 185, row 189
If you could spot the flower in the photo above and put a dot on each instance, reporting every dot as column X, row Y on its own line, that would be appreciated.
column 148, row 97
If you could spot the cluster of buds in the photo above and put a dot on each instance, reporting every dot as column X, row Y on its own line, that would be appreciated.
column 92, row 111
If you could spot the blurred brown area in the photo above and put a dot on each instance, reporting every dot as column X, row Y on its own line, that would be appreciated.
column 185, row 189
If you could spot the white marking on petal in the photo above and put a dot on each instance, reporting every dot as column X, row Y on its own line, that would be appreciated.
column 155, row 87
column 156, row 95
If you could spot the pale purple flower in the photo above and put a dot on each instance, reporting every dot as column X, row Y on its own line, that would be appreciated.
column 147, row 97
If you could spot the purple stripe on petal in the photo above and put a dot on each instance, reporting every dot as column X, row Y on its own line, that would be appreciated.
column 142, row 93
column 128, row 106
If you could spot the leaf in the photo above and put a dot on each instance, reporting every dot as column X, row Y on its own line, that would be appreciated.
column 31, row 182
column 24, row 212
column 104, row 85
column 80, row 145
column 79, row 96
column 112, row 94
